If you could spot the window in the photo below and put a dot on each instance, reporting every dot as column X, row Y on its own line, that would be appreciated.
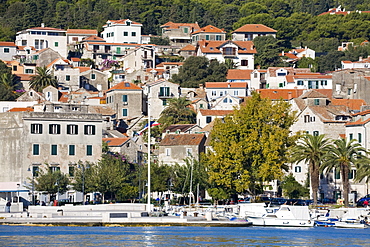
column 352, row 174
column 36, row 149
column 89, row 129
column 68, row 77
column 317, row 102
column 71, row 171
column 71, row 150
column 229, row 51
column 307, row 118
column 54, row 168
column 35, row 171
column 54, row 149
column 133, row 34
column 164, row 102
column 56, row 44
column 281, row 84
column 208, row 119
column 36, row 128
column 218, row 37
column 207, row 37
column 315, row 133
column 54, row 129
column 124, row 98
column 6, row 50
column 29, row 71
column 164, row 91
column 201, row 106
column 125, row 33
column 15, row 68
column 186, row 30
column 124, row 112
column 93, row 76
column 118, row 50
column 300, row 83
column 349, row 91
column 337, row 173
column 350, row 136
column 244, row 62
column 214, row 93
column 189, row 152
column 297, row 169
column 225, row 100
column 359, row 137
column 309, row 84
column 89, row 150
column 168, row 151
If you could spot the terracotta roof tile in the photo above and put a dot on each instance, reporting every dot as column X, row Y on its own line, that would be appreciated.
column 75, row 59
column 247, row 47
column 122, row 21
column 239, row 74
column 125, row 86
column 188, row 48
column 19, row 109
column 115, row 142
column 181, row 127
column 226, row 85
column 101, row 109
column 172, row 25
column 255, row 28
column 82, row 31
column 312, row 94
column 275, row 94
column 46, row 29
column 352, row 104
column 209, row 29
column 182, row 139
column 206, row 112
column 7, row 44
column 93, row 38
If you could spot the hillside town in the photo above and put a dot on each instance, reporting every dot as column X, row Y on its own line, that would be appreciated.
column 110, row 84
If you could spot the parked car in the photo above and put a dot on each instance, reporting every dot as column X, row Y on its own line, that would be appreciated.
column 360, row 202
column 296, row 202
column 328, row 201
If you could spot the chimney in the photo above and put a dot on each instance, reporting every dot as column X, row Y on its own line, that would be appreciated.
column 360, row 59
column 201, row 86
column 282, row 53
column 258, row 66
column 42, row 25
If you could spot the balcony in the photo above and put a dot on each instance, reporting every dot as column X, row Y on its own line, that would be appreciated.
column 165, row 95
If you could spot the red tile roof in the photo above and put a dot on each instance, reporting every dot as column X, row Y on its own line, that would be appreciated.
column 181, row 127
column 182, row 139
column 226, row 85
column 172, row 25
column 255, row 28
column 12, row 44
column 82, row 31
column 352, row 104
column 239, row 74
column 276, row 94
column 46, row 29
column 115, row 142
column 188, row 48
column 19, row 109
column 215, row 112
column 247, row 47
column 209, row 29
column 125, row 86
column 83, row 69
column 75, row 59
column 93, row 38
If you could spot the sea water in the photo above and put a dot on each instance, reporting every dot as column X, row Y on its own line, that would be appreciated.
column 181, row 236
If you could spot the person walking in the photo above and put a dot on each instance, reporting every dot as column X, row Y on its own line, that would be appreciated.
column 7, row 207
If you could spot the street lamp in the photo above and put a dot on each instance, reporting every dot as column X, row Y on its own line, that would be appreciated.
column 33, row 184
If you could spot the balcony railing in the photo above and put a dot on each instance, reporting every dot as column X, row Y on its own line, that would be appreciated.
column 165, row 95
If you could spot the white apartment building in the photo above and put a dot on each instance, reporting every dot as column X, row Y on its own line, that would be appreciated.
column 43, row 37
column 122, row 31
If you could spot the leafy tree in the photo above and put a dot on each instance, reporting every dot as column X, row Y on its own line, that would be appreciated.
column 84, row 177
column 293, row 189
column 343, row 155
column 330, row 62
column 51, row 181
column 312, row 150
column 9, row 83
column 159, row 41
column 88, row 62
column 307, row 62
column 268, row 50
column 198, row 70
column 250, row 145
column 218, row 194
column 42, row 79
column 177, row 112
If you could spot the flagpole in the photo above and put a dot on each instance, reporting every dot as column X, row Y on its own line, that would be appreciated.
column 148, row 206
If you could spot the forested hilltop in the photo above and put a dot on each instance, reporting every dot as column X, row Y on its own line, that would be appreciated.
column 298, row 21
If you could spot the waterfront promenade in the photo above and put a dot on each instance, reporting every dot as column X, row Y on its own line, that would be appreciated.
column 125, row 214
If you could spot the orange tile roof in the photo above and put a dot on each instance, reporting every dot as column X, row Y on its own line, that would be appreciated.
column 352, row 104
column 363, row 113
column 255, row 28
column 291, row 70
column 19, row 109
column 20, row 47
column 213, row 46
column 181, row 127
column 64, row 97
column 125, row 86
column 275, row 94
column 122, row 21
column 172, row 25
column 82, row 31
column 239, row 74
column 209, row 29
column 226, row 85
column 7, row 44
column 205, row 112
column 46, row 29
column 358, row 122
column 114, row 142
column 24, row 77
column 75, row 59
column 83, row 69
column 93, row 38
column 188, row 48
column 289, row 55
column 182, row 139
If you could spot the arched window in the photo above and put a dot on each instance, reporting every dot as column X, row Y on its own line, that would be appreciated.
column 297, row 169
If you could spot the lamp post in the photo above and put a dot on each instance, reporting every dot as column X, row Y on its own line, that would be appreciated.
column 33, row 185
column 148, row 202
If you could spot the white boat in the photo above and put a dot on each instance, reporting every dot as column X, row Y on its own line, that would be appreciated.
column 348, row 224
column 297, row 216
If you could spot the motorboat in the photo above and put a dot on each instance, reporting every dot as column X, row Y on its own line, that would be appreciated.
column 285, row 215
column 351, row 224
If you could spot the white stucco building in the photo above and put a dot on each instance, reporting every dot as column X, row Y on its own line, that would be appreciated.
column 122, row 31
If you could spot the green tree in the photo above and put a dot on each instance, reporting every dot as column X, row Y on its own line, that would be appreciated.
column 42, row 79
column 312, row 150
column 51, row 181
column 177, row 112
column 307, row 62
column 343, row 155
column 268, row 50
column 198, row 70
column 9, row 83
column 250, row 145
column 292, row 189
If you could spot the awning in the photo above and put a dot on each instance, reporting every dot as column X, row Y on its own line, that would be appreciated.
column 12, row 187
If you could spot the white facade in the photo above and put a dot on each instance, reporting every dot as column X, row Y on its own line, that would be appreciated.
column 7, row 51
column 122, row 31
column 360, row 64
column 43, row 37
column 226, row 102
column 215, row 90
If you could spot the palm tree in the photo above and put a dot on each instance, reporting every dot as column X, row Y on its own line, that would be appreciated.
column 312, row 150
column 177, row 112
column 343, row 155
column 8, row 84
column 42, row 79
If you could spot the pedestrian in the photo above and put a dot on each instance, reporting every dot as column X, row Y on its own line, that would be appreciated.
column 7, row 207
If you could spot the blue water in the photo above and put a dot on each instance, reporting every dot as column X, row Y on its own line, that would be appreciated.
column 181, row 236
